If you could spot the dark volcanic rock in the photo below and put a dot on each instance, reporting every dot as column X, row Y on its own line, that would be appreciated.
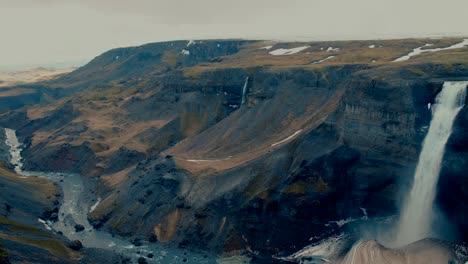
column 122, row 159
column 153, row 238
column 355, row 158
column 453, row 181
column 142, row 260
column 75, row 245
column 308, row 147
column 79, row 228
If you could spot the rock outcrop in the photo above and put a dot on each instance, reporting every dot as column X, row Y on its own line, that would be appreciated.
column 180, row 160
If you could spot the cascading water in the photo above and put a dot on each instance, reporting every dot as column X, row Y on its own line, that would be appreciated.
column 244, row 90
column 74, row 210
column 15, row 150
column 415, row 223
column 416, row 218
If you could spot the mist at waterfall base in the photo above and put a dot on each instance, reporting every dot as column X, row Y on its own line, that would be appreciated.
column 418, row 215
column 420, row 219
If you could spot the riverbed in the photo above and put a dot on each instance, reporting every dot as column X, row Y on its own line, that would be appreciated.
column 74, row 208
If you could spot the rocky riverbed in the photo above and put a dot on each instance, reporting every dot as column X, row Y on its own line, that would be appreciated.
column 71, row 219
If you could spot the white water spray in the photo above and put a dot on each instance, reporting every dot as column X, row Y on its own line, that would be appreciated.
column 244, row 90
column 416, row 218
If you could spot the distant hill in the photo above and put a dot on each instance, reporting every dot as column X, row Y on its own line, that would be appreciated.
column 14, row 78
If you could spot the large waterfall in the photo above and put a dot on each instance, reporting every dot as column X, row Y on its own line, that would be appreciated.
column 417, row 215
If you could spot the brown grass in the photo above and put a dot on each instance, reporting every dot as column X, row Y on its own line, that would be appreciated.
column 46, row 241
column 16, row 92
column 54, row 247
column 115, row 179
column 299, row 187
column 40, row 188
column 351, row 52
column 166, row 229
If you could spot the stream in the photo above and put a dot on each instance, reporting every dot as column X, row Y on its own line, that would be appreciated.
column 74, row 209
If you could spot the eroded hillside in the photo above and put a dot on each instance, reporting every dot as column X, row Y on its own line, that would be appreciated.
column 245, row 145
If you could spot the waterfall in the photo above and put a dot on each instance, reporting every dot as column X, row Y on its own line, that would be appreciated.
column 244, row 90
column 416, row 218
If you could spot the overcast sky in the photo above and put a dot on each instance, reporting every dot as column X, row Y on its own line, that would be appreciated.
column 70, row 32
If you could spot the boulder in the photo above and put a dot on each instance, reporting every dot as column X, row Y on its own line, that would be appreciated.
column 142, row 260
column 75, row 245
column 79, row 228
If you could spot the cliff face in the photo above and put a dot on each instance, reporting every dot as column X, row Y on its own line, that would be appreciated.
column 453, row 180
column 355, row 154
column 178, row 155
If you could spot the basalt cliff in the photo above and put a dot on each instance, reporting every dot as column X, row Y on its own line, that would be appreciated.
column 247, row 146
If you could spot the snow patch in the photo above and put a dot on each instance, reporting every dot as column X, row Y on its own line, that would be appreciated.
column 322, row 250
column 322, row 60
column 191, row 42
column 94, row 206
column 364, row 211
column 267, row 47
column 46, row 225
column 420, row 50
column 278, row 52
column 288, row 138
column 342, row 222
column 332, row 49
column 185, row 52
column 372, row 47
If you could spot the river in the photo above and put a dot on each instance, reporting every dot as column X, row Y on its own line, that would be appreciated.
column 74, row 209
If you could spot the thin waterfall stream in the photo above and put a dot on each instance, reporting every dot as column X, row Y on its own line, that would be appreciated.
column 244, row 91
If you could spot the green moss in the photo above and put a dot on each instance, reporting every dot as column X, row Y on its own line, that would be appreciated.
column 299, row 187
column 26, row 229
column 45, row 241
column 320, row 185
column 3, row 255
column 54, row 247
column 171, row 58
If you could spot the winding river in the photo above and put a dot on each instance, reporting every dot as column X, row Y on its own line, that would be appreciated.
column 75, row 207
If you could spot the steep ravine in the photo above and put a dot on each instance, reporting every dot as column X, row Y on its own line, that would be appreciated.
column 74, row 208
column 309, row 150
column 290, row 193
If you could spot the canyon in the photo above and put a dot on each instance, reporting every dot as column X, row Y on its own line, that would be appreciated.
column 247, row 149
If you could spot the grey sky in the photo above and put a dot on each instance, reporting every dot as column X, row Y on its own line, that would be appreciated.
column 61, row 32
